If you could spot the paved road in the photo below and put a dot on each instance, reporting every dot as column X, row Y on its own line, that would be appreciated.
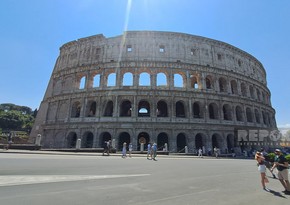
column 77, row 179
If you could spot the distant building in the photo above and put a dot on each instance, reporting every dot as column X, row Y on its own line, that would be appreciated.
column 151, row 86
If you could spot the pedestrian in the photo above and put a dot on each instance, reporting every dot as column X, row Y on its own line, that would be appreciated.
column 154, row 151
column 108, row 147
column 130, row 149
column 262, row 169
column 149, row 150
column 267, row 161
column 282, row 166
column 215, row 150
column 105, row 146
column 199, row 152
column 124, row 150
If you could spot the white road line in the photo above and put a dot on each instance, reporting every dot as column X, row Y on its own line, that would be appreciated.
column 13, row 180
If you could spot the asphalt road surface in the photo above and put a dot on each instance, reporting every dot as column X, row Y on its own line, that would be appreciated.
column 83, row 180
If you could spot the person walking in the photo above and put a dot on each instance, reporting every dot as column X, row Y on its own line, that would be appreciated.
column 149, row 150
column 199, row 152
column 130, row 149
column 124, row 150
column 154, row 151
column 267, row 162
column 262, row 169
column 282, row 166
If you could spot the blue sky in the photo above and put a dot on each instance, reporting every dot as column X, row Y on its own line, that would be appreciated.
column 33, row 30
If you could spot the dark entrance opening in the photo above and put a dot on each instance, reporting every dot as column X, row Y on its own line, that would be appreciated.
column 104, row 138
column 162, row 138
column 72, row 140
column 198, row 141
column 181, row 143
column 143, row 137
column 123, row 137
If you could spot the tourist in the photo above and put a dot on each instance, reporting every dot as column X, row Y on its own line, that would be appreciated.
column 267, row 161
column 216, row 152
column 124, row 150
column 154, row 151
column 149, row 151
column 105, row 146
column 282, row 166
column 109, row 147
column 199, row 152
column 262, row 169
column 130, row 149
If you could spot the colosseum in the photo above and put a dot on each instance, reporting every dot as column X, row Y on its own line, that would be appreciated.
column 175, row 89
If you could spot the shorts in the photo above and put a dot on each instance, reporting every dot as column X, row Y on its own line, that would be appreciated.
column 283, row 174
column 262, row 168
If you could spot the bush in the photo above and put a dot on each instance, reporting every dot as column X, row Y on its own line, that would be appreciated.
column 271, row 157
column 288, row 158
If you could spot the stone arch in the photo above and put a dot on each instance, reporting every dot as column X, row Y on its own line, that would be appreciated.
column 82, row 82
column 257, row 116
column 181, row 142
column 127, row 79
column 213, row 111
column 144, row 79
column 96, row 80
column 161, row 80
column 198, row 111
column 76, row 109
column 108, row 112
column 143, row 137
column 239, row 113
column 258, row 94
column 143, row 109
column 178, row 80
column 249, row 114
column 230, row 142
column 162, row 110
column 234, row 87
column 104, row 137
column 217, row 141
column 125, row 108
column 162, row 138
column 91, row 108
column 180, row 109
column 223, row 85
column 87, row 140
column 227, row 112
column 112, row 80
column 194, row 81
column 209, row 82
column 244, row 89
column 252, row 92
column 71, row 140
column 200, row 140
column 123, row 137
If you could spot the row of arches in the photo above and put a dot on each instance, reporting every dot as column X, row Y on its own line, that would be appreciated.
column 200, row 140
column 178, row 80
column 199, row 110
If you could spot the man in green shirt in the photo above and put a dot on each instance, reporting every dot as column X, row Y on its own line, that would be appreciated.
column 282, row 166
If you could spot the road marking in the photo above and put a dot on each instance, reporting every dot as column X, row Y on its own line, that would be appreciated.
column 14, row 180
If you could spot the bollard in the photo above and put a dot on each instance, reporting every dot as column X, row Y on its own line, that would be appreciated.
column 37, row 140
column 186, row 149
column 142, row 147
column 78, row 145
column 113, row 144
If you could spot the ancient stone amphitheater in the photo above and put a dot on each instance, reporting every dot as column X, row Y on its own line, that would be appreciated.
column 150, row 86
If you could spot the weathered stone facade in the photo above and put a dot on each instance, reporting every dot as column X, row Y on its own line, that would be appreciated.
column 162, row 87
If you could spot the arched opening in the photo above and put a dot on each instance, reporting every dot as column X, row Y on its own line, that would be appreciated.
column 72, row 140
column 76, row 109
column 178, row 80
column 216, row 141
column 162, row 109
column 196, row 110
column 258, row 95
column 257, row 116
column 209, row 82
column 239, row 113
column 123, row 137
column 234, row 87
column 128, row 79
column 199, row 141
column 230, row 142
column 194, row 82
column 227, row 112
column 181, row 143
column 249, row 115
column 87, row 140
column 252, row 92
column 144, row 138
column 104, row 137
column 144, row 79
column 111, row 80
column 82, row 82
column 96, row 82
column 179, row 108
column 143, row 109
column 244, row 89
column 213, row 111
column 223, row 85
column 162, row 138
column 91, row 109
column 161, row 80
column 125, row 109
column 109, row 109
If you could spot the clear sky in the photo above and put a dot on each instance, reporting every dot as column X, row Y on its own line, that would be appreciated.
column 33, row 30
